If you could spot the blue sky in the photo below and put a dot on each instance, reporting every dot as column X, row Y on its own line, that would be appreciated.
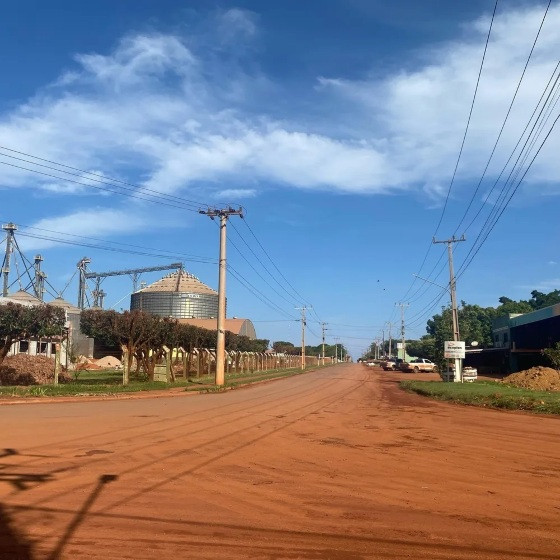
column 336, row 124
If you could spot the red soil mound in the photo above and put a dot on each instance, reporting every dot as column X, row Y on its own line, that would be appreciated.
column 537, row 378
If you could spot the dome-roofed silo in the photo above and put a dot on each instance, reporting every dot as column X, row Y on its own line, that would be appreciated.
column 180, row 295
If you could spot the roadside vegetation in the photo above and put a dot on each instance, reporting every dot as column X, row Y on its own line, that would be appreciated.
column 109, row 382
column 489, row 394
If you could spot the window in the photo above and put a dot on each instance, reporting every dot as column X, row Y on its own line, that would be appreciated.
column 23, row 346
column 42, row 347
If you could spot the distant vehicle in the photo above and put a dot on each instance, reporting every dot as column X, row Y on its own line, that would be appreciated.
column 418, row 364
column 389, row 365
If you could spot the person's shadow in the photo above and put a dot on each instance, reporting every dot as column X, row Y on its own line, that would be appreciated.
column 12, row 545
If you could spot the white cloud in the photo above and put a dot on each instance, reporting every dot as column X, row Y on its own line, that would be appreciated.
column 552, row 263
column 188, row 122
column 545, row 285
column 96, row 222
column 236, row 194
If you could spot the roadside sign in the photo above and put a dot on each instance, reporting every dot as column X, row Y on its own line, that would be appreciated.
column 399, row 345
column 454, row 349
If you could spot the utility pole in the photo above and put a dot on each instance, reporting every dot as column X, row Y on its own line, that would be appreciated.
column 303, row 325
column 82, row 268
column 336, row 350
column 9, row 229
column 39, row 281
column 390, row 350
column 403, row 343
column 223, row 214
column 382, row 343
column 323, row 328
column 454, row 311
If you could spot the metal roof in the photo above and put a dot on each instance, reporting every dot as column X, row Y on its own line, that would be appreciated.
column 237, row 326
column 59, row 302
column 23, row 297
column 179, row 281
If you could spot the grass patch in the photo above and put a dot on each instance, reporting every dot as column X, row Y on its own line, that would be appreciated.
column 489, row 394
column 109, row 382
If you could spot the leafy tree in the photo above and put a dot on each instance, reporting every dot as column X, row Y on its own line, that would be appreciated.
column 508, row 306
column 21, row 322
column 475, row 323
column 553, row 354
column 539, row 300
column 283, row 347
column 129, row 329
column 423, row 348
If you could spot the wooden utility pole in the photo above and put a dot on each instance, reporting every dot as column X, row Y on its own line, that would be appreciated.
column 454, row 311
column 223, row 214
column 303, row 325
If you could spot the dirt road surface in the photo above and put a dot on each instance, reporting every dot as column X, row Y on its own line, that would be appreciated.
column 336, row 464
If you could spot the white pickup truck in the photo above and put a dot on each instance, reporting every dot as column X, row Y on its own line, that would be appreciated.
column 418, row 364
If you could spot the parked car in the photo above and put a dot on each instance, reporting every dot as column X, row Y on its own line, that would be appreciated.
column 389, row 365
column 418, row 364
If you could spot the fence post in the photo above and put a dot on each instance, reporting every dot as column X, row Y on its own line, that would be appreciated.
column 168, row 374
column 56, row 363
column 125, row 372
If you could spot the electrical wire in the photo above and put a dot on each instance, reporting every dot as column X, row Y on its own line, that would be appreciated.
column 96, row 177
column 404, row 298
column 505, row 119
column 107, row 241
column 301, row 298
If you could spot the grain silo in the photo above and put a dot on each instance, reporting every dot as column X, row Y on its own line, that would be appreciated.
column 179, row 295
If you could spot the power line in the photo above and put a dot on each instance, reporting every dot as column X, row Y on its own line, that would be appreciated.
column 465, row 264
column 505, row 119
column 290, row 301
column 120, row 243
column 112, row 191
column 95, row 176
column 301, row 298
column 460, row 150
column 117, row 249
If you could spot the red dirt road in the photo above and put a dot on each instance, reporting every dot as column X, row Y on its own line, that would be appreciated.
column 336, row 464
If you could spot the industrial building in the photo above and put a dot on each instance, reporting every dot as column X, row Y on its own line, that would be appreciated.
column 180, row 295
column 519, row 340
column 184, row 297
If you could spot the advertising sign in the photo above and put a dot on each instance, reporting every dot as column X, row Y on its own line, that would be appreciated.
column 454, row 349
column 399, row 345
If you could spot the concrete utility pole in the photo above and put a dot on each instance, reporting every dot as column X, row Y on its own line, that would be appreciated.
column 323, row 328
column 382, row 343
column 402, row 306
column 39, row 280
column 390, row 350
column 303, row 325
column 82, row 268
column 9, row 229
column 336, row 350
column 454, row 311
column 223, row 214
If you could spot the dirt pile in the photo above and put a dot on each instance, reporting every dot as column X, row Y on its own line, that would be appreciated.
column 29, row 370
column 536, row 378
column 109, row 362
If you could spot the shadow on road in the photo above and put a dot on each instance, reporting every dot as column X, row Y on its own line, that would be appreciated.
column 12, row 544
column 81, row 515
